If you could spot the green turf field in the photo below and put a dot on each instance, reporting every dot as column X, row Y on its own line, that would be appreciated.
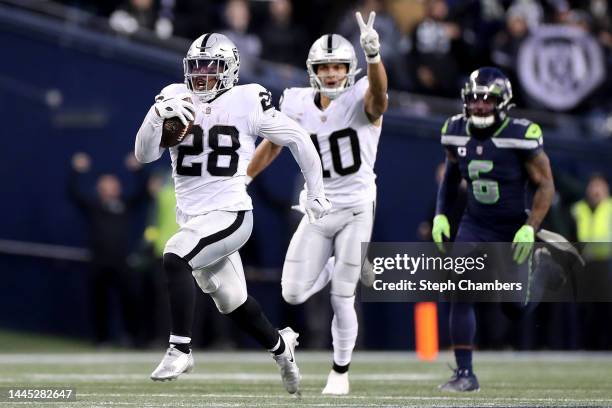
column 250, row 379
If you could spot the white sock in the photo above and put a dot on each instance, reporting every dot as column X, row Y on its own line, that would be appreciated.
column 179, row 339
column 344, row 328
column 323, row 279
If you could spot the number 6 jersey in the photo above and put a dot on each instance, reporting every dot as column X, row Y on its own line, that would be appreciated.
column 345, row 138
column 209, row 165
column 494, row 167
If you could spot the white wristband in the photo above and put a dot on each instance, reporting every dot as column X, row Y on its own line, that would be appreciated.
column 247, row 180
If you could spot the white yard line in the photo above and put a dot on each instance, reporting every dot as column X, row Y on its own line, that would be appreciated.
column 272, row 376
column 306, row 356
column 344, row 397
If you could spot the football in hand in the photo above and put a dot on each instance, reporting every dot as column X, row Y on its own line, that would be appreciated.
column 173, row 132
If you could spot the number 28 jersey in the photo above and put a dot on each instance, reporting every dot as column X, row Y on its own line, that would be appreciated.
column 209, row 165
column 346, row 140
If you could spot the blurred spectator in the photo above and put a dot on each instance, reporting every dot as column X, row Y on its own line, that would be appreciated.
column 192, row 18
column 134, row 15
column 519, row 20
column 434, row 67
column 593, row 217
column 109, row 214
column 394, row 46
column 283, row 40
column 237, row 17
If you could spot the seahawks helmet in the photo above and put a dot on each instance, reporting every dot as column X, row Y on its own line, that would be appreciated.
column 488, row 84
column 211, row 65
column 330, row 49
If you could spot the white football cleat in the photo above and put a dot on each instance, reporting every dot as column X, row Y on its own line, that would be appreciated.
column 337, row 384
column 290, row 373
column 174, row 363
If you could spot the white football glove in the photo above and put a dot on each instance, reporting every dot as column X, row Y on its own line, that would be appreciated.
column 179, row 106
column 369, row 38
column 317, row 207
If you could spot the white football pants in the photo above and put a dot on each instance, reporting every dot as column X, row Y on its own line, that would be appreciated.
column 340, row 234
column 210, row 243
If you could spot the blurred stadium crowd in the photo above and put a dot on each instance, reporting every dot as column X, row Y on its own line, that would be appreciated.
column 430, row 46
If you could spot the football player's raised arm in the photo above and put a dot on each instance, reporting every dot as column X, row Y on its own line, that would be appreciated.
column 283, row 131
column 265, row 154
column 375, row 99
column 146, row 148
column 540, row 174
column 449, row 186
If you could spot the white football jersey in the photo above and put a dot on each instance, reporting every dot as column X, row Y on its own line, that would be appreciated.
column 346, row 140
column 209, row 165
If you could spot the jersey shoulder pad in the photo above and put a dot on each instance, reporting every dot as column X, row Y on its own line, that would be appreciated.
column 455, row 125
column 292, row 99
column 170, row 91
column 520, row 134
column 251, row 96
column 361, row 85
column 524, row 129
column 453, row 131
column 355, row 92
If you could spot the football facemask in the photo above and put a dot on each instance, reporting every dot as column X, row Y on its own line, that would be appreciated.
column 212, row 65
column 486, row 86
column 204, row 74
column 481, row 109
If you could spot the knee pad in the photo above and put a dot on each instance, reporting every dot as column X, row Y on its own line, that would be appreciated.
column 294, row 293
column 206, row 280
column 228, row 302
column 344, row 280
column 224, row 282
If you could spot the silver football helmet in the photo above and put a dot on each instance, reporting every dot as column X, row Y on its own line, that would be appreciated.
column 211, row 65
column 329, row 49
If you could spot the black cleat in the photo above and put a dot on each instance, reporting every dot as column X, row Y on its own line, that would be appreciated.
column 461, row 381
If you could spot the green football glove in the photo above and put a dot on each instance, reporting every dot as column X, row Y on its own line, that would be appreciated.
column 523, row 243
column 440, row 227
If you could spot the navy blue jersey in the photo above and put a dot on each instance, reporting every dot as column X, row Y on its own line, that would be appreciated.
column 494, row 167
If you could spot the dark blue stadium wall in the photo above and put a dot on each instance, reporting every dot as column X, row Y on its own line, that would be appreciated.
column 111, row 84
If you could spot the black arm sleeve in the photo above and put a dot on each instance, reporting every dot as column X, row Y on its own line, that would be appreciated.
column 447, row 191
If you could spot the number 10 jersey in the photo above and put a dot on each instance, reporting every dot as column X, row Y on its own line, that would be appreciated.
column 346, row 140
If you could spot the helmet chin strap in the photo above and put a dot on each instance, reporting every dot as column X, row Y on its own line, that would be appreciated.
column 204, row 96
column 333, row 93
